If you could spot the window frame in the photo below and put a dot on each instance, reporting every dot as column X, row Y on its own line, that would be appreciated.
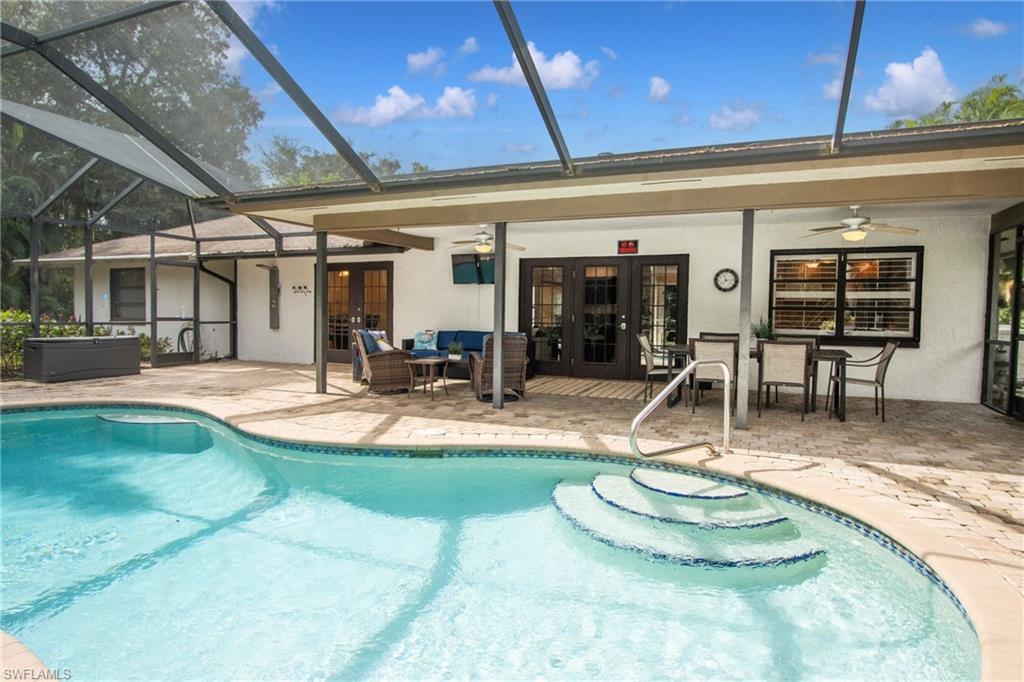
column 114, row 317
column 839, row 337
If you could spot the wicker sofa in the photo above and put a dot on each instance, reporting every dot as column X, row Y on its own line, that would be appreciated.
column 384, row 370
column 481, row 366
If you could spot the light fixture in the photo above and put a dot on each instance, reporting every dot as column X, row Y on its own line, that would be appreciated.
column 813, row 265
column 483, row 247
column 855, row 235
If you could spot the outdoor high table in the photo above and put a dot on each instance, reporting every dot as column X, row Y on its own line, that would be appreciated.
column 836, row 356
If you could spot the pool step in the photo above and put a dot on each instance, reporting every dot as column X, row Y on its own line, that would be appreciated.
column 682, row 485
column 579, row 504
column 623, row 493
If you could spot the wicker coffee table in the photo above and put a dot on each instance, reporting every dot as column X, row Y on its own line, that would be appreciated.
column 425, row 369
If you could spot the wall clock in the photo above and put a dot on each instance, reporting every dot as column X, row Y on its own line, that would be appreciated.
column 726, row 279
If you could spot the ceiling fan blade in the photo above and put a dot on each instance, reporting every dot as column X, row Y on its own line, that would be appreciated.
column 515, row 247
column 464, row 241
column 882, row 227
column 833, row 228
column 822, row 231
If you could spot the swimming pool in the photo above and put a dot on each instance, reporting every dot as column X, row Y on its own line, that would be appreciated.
column 189, row 550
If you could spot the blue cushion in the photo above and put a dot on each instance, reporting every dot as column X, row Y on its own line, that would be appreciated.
column 427, row 353
column 370, row 340
column 445, row 337
column 471, row 341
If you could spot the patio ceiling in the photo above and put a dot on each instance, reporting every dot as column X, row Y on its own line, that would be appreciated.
column 84, row 106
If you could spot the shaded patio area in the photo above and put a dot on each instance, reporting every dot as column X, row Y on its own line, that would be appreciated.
column 954, row 468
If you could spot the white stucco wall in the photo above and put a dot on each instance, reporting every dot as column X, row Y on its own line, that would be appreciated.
column 946, row 367
column 174, row 299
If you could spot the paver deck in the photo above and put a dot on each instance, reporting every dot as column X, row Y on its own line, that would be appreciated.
column 949, row 473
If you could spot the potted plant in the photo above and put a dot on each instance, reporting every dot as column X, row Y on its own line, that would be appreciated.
column 455, row 350
column 762, row 329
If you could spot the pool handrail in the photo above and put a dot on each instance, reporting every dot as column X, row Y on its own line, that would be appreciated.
column 647, row 409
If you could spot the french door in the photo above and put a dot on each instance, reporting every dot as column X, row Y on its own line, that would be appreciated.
column 583, row 314
column 1003, row 385
column 359, row 296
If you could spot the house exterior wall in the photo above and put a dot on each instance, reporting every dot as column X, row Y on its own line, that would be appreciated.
column 174, row 299
column 947, row 365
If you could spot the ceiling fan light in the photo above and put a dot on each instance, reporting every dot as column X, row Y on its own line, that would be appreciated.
column 483, row 247
column 855, row 235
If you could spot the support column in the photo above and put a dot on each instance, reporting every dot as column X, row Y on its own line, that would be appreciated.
column 33, row 277
column 153, row 324
column 498, row 388
column 746, row 274
column 89, row 323
column 196, row 350
column 320, row 313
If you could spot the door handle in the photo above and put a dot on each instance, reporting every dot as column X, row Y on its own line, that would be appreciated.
column 622, row 326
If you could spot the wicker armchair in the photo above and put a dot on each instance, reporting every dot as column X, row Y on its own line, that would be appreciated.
column 384, row 371
column 481, row 367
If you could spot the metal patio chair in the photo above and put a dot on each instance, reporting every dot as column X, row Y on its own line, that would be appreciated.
column 783, row 363
column 724, row 350
column 652, row 368
column 880, row 361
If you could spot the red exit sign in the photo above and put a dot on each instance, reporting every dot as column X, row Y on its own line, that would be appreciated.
column 629, row 247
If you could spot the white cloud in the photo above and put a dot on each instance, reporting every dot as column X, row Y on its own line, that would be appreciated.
column 739, row 118
column 833, row 89
column 912, row 88
column 428, row 61
column 609, row 52
column 454, row 103
column 398, row 105
column 825, row 58
column 269, row 90
column 658, row 90
column 492, row 100
column 564, row 71
column 469, row 46
column 249, row 11
column 519, row 148
column 986, row 28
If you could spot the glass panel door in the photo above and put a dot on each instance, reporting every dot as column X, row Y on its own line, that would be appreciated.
column 358, row 297
column 657, row 305
column 545, row 313
column 1002, row 378
column 339, row 316
column 602, row 331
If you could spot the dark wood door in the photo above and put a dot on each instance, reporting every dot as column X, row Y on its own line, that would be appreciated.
column 602, row 321
column 359, row 296
column 657, row 300
column 545, row 311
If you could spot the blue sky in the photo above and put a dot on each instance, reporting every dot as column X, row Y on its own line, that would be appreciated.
column 435, row 82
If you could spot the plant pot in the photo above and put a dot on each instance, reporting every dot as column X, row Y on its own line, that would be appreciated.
column 455, row 356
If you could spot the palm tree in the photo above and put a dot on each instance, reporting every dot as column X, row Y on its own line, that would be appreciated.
column 994, row 101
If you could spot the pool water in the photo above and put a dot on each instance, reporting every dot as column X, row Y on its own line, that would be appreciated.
column 187, row 551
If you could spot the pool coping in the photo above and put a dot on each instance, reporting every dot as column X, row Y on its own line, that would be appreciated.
column 993, row 608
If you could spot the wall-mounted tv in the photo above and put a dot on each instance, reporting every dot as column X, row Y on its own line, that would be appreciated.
column 473, row 268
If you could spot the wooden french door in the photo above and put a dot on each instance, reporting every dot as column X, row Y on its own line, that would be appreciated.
column 583, row 314
column 359, row 296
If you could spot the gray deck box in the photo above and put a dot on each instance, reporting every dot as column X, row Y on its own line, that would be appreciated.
column 81, row 357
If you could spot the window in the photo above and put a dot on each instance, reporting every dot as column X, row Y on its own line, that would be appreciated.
column 850, row 295
column 127, row 294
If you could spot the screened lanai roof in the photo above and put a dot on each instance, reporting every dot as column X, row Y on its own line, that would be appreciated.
column 258, row 99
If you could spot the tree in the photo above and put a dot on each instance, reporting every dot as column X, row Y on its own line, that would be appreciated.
column 171, row 67
column 996, row 100
column 289, row 163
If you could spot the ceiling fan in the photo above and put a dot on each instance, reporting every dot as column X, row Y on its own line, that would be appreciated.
column 856, row 228
column 483, row 242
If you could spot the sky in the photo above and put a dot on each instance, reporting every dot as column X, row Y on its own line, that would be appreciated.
column 436, row 82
